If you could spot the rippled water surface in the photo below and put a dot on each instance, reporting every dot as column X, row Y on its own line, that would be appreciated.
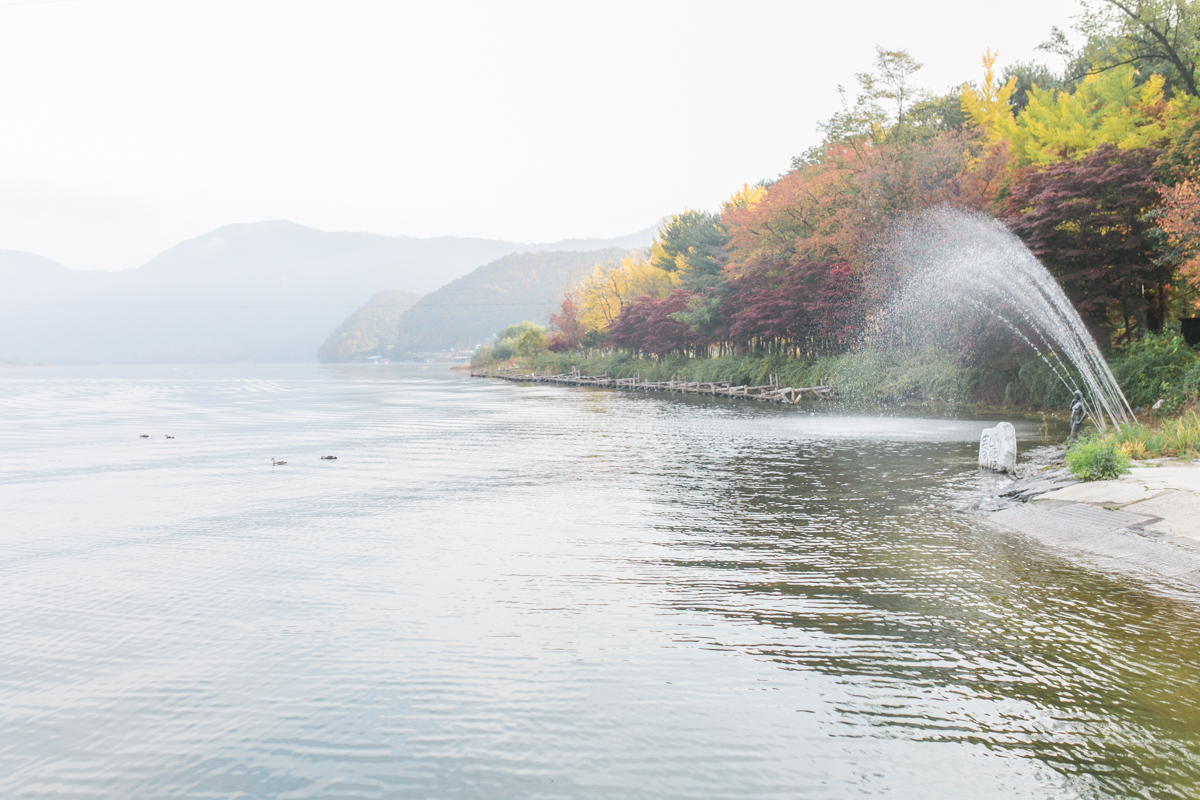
column 503, row 591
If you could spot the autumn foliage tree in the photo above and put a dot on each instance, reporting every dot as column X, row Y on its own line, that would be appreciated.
column 1181, row 221
column 806, row 308
column 1162, row 36
column 1086, row 219
column 652, row 326
column 568, row 331
column 603, row 294
column 1099, row 173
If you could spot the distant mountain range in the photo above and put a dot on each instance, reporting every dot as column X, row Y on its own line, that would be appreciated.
column 259, row 292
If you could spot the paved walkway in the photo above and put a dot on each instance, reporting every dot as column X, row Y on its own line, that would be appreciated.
column 1169, row 493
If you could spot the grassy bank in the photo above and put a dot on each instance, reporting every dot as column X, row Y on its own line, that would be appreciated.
column 1107, row 455
column 1157, row 367
column 867, row 377
column 1178, row 437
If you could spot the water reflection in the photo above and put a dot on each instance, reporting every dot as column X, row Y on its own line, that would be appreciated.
column 950, row 632
column 508, row 591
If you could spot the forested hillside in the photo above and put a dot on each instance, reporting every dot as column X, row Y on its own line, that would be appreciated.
column 371, row 330
column 520, row 286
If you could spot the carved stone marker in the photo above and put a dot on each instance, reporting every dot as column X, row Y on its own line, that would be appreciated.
column 998, row 448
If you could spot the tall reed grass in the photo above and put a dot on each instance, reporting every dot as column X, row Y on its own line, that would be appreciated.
column 1173, row 437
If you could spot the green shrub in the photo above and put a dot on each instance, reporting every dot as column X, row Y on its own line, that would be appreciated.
column 1039, row 386
column 1097, row 460
column 531, row 343
column 1190, row 385
column 1139, row 441
column 523, row 339
column 518, row 330
column 1154, row 367
column 482, row 356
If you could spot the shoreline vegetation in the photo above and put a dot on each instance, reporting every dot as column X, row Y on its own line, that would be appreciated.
column 772, row 392
column 1153, row 369
column 1158, row 370
column 790, row 283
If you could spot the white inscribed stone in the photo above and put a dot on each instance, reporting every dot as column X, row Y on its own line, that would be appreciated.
column 998, row 448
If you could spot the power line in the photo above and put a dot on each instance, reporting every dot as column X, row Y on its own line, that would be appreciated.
column 423, row 305
column 38, row 2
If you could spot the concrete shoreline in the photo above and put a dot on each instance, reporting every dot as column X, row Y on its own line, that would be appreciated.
column 1146, row 523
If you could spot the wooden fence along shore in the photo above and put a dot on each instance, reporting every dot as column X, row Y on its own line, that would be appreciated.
column 771, row 393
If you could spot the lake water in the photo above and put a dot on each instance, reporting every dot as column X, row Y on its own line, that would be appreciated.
column 504, row 591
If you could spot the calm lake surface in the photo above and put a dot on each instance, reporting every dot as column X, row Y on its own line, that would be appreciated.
column 503, row 591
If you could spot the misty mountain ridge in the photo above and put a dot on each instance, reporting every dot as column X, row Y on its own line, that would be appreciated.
column 257, row 292
column 516, row 287
column 370, row 330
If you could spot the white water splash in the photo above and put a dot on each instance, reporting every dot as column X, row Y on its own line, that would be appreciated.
column 964, row 265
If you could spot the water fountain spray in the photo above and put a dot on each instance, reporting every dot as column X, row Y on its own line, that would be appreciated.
column 961, row 264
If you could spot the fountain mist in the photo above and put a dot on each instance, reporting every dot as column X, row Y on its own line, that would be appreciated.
column 962, row 265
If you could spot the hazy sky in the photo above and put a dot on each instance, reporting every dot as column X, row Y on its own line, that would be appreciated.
column 130, row 125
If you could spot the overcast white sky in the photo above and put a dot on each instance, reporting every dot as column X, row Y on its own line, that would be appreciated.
column 129, row 125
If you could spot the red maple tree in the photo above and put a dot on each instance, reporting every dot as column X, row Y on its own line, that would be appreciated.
column 1086, row 219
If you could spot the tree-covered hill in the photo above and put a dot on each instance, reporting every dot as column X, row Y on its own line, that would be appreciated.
column 520, row 286
column 369, row 330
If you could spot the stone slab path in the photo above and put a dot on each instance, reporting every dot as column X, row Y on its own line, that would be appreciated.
column 1146, row 522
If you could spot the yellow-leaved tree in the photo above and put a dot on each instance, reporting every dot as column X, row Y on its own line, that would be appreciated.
column 1108, row 107
column 988, row 107
column 746, row 197
column 610, row 287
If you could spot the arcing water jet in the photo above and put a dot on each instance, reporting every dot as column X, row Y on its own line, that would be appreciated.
column 961, row 265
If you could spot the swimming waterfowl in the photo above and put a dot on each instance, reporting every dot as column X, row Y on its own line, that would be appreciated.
column 145, row 436
column 329, row 458
column 169, row 436
column 275, row 463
